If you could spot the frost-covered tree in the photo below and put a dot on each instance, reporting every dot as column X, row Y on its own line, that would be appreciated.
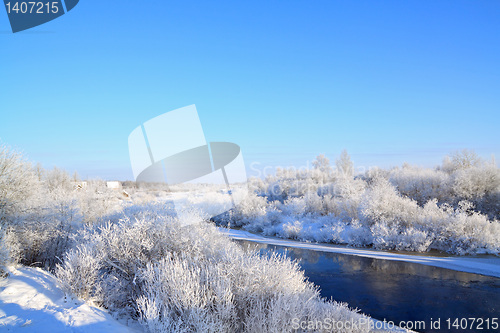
column 461, row 160
column 344, row 164
column 422, row 184
column 4, row 252
column 58, row 180
column 322, row 163
column 321, row 173
column 18, row 183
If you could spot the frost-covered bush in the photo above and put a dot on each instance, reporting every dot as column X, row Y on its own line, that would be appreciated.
column 96, row 201
column 40, row 210
column 57, row 181
column 42, row 237
column 421, row 184
column 461, row 230
column 453, row 209
column 82, row 267
column 178, row 276
column 4, row 253
column 461, row 160
column 475, row 180
column 481, row 186
column 382, row 203
column 140, row 261
column 290, row 182
column 20, row 197
column 345, row 165
column 19, row 184
column 253, row 209
column 342, row 198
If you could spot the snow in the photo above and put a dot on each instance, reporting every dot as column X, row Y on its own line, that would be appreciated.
column 489, row 266
column 32, row 300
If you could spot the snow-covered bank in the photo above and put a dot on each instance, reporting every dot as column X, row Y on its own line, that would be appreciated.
column 32, row 300
column 485, row 266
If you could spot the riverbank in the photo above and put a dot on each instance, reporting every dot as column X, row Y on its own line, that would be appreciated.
column 488, row 265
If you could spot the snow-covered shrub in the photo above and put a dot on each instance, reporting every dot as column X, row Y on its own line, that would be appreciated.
column 344, row 165
column 96, row 201
column 342, row 198
column 207, row 298
column 176, row 276
column 461, row 160
column 4, row 253
column 57, row 180
column 322, row 163
column 43, row 236
column 375, row 173
column 399, row 223
column 382, row 203
column 19, row 184
column 253, row 209
column 421, row 184
column 290, row 182
column 40, row 210
column 461, row 230
column 21, row 199
column 475, row 180
column 395, row 237
column 481, row 185
column 82, row 267
column 408, row 208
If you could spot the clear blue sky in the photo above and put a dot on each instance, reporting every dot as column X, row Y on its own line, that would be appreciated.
column 390, row 81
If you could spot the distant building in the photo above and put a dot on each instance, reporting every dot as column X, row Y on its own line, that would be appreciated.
column 80, row 185
column 114, row 185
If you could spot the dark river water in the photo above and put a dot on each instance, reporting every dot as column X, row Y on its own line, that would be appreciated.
column 400, row 291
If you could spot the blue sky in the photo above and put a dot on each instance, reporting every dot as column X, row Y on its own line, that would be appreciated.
column 390, row 81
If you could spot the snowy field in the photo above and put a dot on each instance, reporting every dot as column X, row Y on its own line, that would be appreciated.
column 32, row 300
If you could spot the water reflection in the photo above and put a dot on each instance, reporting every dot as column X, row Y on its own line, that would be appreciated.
column 396, row 290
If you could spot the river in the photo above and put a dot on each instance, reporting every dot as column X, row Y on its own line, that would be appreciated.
column 405, row 293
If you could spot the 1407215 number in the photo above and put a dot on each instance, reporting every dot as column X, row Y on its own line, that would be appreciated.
column 50, row 7
column 472, row 323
